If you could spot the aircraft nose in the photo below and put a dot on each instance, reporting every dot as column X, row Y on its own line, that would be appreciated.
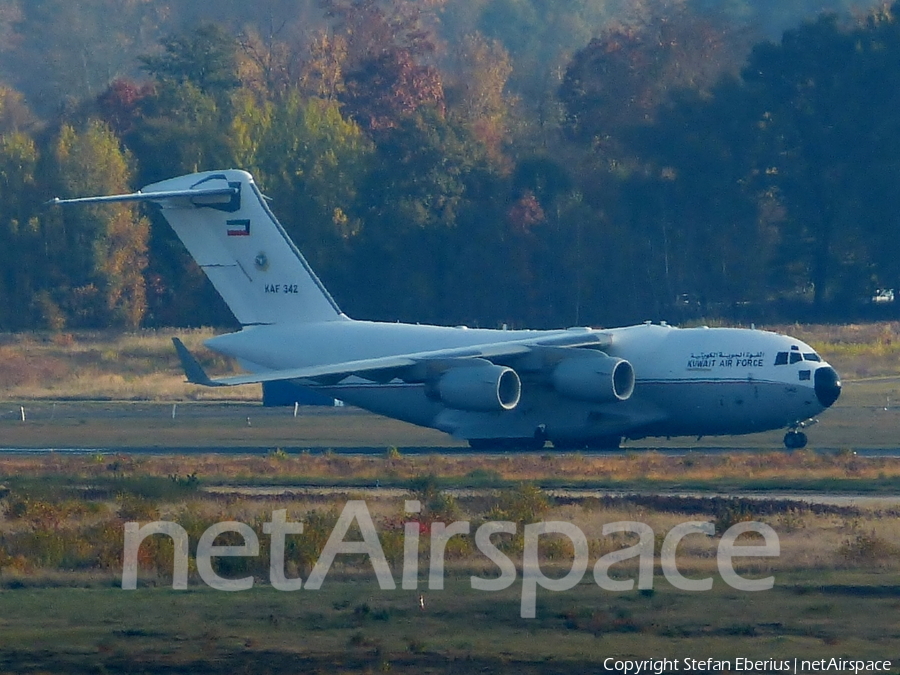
column 827, row 385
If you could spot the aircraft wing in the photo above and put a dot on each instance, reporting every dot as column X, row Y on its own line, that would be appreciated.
column 371, row 368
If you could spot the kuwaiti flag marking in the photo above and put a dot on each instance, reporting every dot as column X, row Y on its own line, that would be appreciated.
column 238, row 228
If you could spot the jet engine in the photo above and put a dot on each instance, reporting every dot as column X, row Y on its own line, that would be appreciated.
column 479, row 388
column 594, row 377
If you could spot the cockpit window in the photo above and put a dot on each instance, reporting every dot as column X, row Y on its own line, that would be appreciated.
column 795, row 356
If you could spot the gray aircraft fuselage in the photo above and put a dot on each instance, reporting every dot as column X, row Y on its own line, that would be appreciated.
column 695, row 381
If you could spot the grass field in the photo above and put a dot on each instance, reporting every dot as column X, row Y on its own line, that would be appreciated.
column 353, row 627
column 836, row 590
column 775, row 471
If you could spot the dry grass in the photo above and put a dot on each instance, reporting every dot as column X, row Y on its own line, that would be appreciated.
column 46, row 526
column 717, row 473
column 109, row 366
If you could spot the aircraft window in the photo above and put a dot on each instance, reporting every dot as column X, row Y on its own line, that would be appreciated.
column 812, row 357
column 796, row 357
column 781, row 359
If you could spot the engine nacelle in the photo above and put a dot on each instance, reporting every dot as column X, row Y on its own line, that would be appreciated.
column 594, row 377
column 480, row 388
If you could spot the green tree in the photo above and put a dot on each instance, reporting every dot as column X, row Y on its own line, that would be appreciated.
column 778, row 185
column 479, row 95
column 182, row 124
column 207, row 58
column 698, row 210
column 878, row 221
column 21, row 266
column 540, row 38
column 14, row 113
column 815, row 103
column 100, row 250
column 180, row 129
column 311, row 161
column 322, row 75
column 430, row 191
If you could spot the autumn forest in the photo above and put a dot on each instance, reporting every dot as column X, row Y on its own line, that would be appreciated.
column 525, row 162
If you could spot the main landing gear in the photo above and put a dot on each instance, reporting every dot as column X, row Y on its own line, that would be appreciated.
column 795, row 439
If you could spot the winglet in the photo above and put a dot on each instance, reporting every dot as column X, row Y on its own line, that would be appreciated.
column 192, row 368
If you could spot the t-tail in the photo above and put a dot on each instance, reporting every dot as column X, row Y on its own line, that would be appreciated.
column 223, row 220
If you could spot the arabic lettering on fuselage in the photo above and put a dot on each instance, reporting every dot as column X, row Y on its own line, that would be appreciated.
column 710, row 360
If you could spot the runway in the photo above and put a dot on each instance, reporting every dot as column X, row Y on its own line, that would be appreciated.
column 418, row 451
column 186, row 427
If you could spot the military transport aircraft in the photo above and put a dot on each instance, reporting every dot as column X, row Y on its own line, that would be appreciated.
column 577, row 388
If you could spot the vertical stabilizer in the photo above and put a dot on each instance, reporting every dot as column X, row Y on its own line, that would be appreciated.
column 243, row 249
column 223, row 220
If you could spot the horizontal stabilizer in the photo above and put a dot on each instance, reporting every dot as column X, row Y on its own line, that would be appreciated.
column 192, row 368
column 140, row 196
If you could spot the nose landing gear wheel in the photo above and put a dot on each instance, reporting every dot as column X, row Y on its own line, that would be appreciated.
column 795, row 440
